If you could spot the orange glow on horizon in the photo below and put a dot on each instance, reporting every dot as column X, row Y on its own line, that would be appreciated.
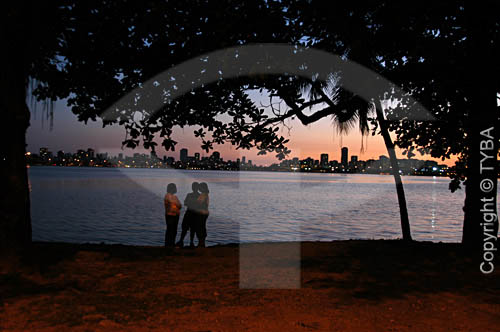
column 68, row 134
column 305, row 141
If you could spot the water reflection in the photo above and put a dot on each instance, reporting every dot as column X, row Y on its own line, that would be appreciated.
column 125, row 206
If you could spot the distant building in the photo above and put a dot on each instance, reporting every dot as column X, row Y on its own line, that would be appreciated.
column 285, row 163
column 324, row 159
column 408, row 166
column 345, row 153
column 216, row 156
column 214, row 162
column 385, row 163
column 430, row 163
column 44, row 153
column 102, row 156
column 308, row 162
column 184, row 155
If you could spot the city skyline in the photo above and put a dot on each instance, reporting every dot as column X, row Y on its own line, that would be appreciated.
column 68, row 134
column 183, row 155
column 89, row 158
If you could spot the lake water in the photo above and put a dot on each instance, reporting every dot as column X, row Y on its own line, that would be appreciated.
column 76, row 204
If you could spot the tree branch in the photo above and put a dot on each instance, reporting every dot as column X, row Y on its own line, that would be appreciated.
column 308, row 119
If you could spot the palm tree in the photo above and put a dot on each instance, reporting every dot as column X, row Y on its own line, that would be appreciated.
column 350, row 110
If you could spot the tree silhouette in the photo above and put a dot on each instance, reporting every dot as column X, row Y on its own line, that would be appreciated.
column 452, row 70
column 443, row 55
column 92, row 53
column 344, row 107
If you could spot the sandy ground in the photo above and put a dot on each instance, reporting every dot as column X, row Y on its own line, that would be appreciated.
column 334, row 286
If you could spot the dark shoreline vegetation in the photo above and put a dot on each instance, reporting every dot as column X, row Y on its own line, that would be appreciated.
column 345, row 285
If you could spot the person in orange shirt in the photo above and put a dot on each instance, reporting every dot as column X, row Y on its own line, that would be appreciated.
column 172, row 212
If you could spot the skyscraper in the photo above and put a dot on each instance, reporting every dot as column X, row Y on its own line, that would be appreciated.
column 345, row 153
column 243, row 160
column 216, row 156
column 197, row 156
column 44, row 153
column 324, row 159
column 184, row 155
column 60, row 155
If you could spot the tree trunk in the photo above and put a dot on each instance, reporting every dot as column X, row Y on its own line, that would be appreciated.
column 481, row 171
column 481, row 184
column 15, row 224
column 403, row 211
column 15, row 218
column 480, row 208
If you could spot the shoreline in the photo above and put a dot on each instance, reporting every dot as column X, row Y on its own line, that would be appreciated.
column 245, row 170
column 349, row 285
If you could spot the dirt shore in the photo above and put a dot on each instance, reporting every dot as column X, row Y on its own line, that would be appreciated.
column 342, row 286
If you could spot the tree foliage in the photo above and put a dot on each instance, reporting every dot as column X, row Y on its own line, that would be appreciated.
column 92, row 53
column 106, row 50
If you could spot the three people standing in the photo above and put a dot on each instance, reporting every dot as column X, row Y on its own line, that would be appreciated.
column 195, row 217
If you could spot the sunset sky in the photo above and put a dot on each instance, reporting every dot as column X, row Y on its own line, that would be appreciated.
column 68, row 134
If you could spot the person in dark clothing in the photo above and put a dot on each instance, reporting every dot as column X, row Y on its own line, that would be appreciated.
column 188, row 222
column 201, row 225
column 172, row 212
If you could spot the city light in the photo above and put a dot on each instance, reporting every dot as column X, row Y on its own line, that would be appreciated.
column 382, row 165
